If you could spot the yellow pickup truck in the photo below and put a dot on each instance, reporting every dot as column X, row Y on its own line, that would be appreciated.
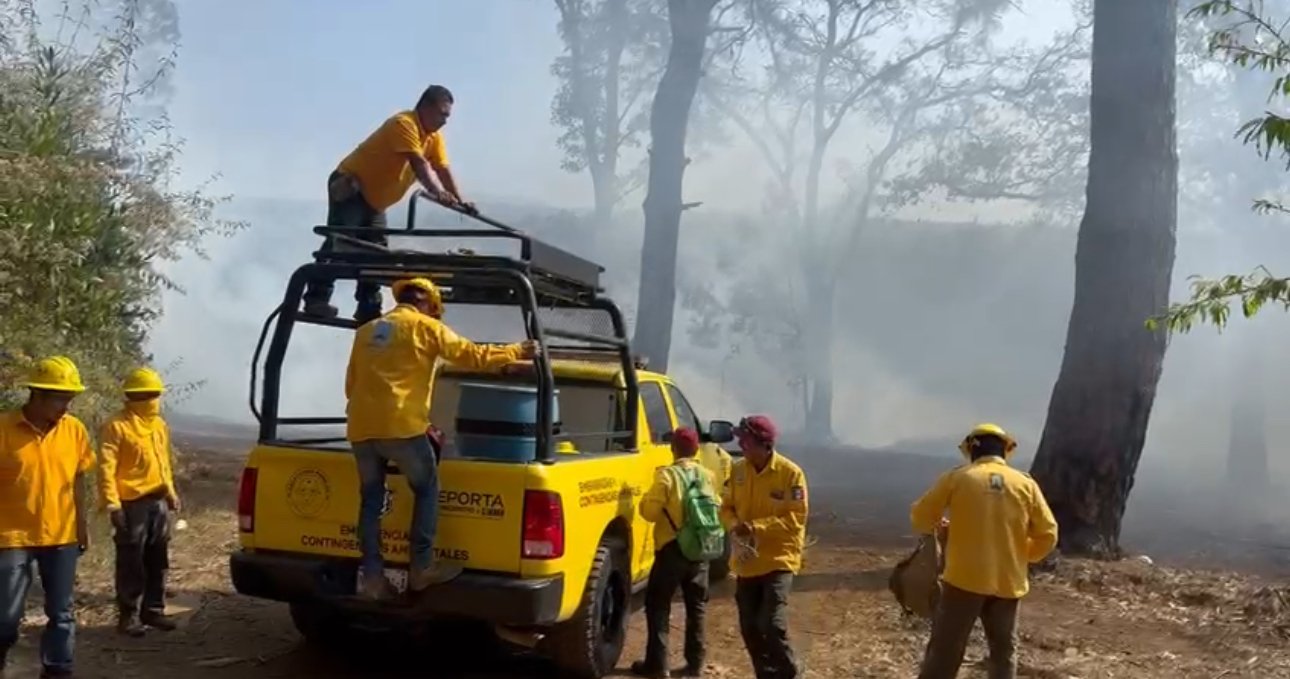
column 541, row 514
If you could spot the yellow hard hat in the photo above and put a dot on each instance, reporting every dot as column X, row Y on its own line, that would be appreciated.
column 56, row 373
column 426, row 285
column 988, row 429
column 144, row 381
column 565, row 448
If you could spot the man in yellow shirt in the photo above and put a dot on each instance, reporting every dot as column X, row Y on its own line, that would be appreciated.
column 137, row 488
column 662, row 505
column 999, row 524
column 765, row 509
column 407, row 148
column 44, row 456
column 388, row 386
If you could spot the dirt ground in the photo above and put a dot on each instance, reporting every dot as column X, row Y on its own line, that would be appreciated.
column 1129, row 620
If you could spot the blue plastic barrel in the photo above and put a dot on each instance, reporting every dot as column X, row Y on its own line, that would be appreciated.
column 499, row 421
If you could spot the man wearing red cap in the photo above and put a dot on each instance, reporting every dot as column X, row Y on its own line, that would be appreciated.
column 663, row 505
column 765, row 510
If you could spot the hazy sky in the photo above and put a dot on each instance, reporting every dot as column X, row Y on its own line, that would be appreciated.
column 272, row 93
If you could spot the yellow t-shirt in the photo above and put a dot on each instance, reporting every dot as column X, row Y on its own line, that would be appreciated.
column 134, row 458
column 37, row 480
column 999, row 524
column 773, row 503
column 379, row 162
column 663, row 500
column 391, row 370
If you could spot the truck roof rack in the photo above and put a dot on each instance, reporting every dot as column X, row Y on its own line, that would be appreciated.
column 545, row 282
column 556, row 274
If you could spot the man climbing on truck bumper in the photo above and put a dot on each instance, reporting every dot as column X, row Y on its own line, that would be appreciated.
column 388, row 388
column 408, row 147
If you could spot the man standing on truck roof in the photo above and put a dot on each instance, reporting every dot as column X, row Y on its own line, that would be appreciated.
column 1001, row 524
column 765, row 510
column 45, row 454
column 137, row 488
column 388, row 385
column 407, row 148
column 663, row 505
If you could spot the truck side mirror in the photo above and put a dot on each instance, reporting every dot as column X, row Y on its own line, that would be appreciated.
column 721, row 431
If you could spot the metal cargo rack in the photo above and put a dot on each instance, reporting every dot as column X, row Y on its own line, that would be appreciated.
column 540, row 278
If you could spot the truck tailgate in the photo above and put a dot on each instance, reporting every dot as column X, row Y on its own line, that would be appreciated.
column 307, row 502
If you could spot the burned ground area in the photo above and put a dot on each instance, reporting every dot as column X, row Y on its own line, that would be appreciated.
column 1174, row 613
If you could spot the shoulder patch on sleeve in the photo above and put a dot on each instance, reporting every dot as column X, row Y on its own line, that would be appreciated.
column 798, row 493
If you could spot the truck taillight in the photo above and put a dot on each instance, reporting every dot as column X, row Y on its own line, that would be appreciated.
column 543, row 525
column 246, row 501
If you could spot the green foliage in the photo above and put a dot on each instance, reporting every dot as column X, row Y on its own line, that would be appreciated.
column 1247, row 37
column 87, row 206
column 1211, row 300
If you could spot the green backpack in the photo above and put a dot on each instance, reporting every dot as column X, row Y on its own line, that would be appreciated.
column 700, row 536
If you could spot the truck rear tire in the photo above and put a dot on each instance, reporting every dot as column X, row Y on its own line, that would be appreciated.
column 589, row 644
column 320, row 625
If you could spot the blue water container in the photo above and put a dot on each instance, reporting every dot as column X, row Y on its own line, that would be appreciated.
column 499, row 421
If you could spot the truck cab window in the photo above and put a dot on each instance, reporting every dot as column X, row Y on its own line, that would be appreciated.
column 685, row 416
column 657, row 417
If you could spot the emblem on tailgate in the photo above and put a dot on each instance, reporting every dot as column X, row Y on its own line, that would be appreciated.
column 308, row 493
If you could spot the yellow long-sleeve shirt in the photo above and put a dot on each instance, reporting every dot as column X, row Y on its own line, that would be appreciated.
column 134, row 457
column 772, row 502
column 39, row 473
column 663, row 500
column 999, row 524
column 391, row 368
column 717, row 461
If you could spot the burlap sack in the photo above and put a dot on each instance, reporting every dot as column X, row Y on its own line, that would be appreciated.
column 915, row 581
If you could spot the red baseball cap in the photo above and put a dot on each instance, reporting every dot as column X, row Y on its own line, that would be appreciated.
column 685, row 438
column 759, row 427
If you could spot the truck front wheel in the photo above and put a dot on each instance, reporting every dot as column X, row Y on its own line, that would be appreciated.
column 590, row 643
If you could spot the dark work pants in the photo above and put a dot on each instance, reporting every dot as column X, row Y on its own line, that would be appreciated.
column 143, row 556
column 671, row 570
column 353, row 211
column 956, row 615
column 763, row 622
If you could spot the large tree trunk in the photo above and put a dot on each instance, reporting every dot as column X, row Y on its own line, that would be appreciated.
column 818, row 345
column 1101, row 403
column 669, row 120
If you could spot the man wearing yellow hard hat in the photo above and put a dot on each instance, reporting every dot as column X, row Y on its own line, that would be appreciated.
column 137, row 488
column 1000, row 523
column 44, row 456
column 388, row 386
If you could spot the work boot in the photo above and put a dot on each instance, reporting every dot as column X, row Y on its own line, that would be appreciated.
column 364, row 313
column 436, row 574
column 127, row 626
column 692, row 671
column 642, row 668
column 376, row 587
column 55, row 672
column 159, row 621
column 321, row 309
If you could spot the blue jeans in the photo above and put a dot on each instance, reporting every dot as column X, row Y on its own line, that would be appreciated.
column 57, row 566
column 416, row 460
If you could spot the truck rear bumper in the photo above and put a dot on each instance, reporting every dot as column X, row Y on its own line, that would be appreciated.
column 499, row 599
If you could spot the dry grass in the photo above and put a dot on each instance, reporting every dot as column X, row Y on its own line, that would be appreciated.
column 1129, row 620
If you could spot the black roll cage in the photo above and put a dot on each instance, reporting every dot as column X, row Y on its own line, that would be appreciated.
column 543, row 276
